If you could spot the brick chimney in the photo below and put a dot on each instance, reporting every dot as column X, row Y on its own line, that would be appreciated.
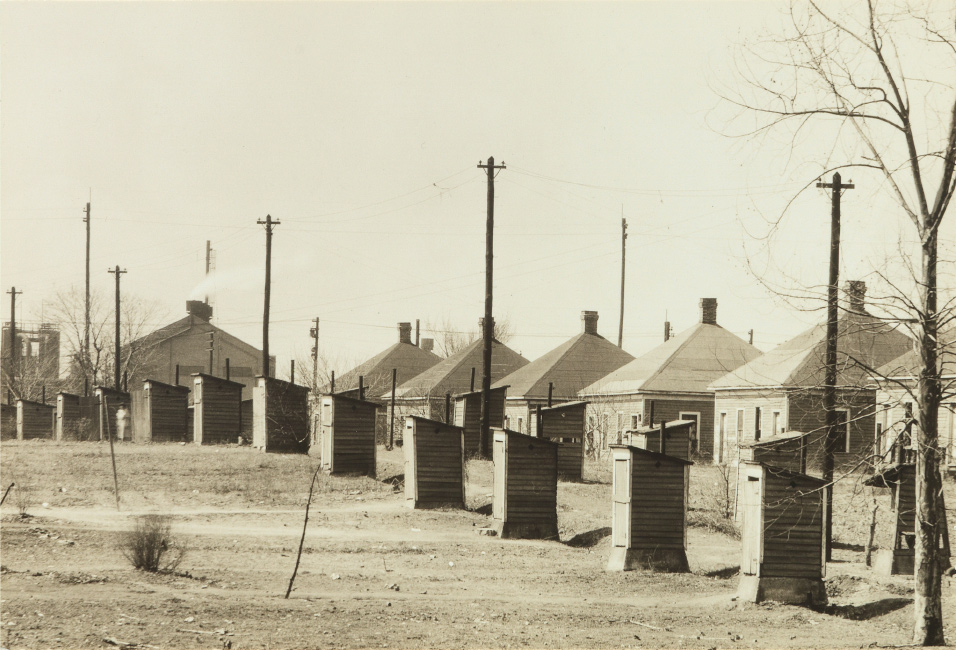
column 405, row 333
column 589, row 319
column 428, row 345
column 199, row 309
column 708, row 311
column 855, row 291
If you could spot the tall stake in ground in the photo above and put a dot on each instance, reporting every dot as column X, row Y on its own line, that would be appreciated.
column 270, row 226
column 116, row 343
column 86, row 321
column 829, row 380
column 489, row 321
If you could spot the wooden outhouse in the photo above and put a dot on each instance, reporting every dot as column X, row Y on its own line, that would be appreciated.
column 280, row 416
column 347, row 435
column 8, row 421
column 434, row 464
column 670, row 438
column 648, row 511
column 787, row 450
column 35, row 420
column 108, row 401
column 160, row 412
column 525, row 501
column 782, row 536
column 216, row 418
column 468, row 417
column 565, row 424
column 77, row 417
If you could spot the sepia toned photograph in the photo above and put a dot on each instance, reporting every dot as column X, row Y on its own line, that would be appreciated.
column 480, row 324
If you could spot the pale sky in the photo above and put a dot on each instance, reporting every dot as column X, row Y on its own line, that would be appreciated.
column 359, row 126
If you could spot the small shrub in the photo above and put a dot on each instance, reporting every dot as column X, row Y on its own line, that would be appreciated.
column 150, row 545
column 24, row 499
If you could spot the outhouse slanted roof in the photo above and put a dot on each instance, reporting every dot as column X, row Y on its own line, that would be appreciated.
column 654, row 454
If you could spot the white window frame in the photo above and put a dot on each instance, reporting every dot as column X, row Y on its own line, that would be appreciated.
column 680, row 416
column 775, row 419
column 846, row 424
column 721, row 429
column 740, row 421
column 635, row 421
column 520, row 424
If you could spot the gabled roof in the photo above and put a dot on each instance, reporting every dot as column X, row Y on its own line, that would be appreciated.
column 576, row 363
column 800, row 362
column 407, row 359
column 183, row 326
column 453, row 375
column 688, row 362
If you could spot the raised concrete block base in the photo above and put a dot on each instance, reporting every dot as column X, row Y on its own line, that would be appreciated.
column 434, row 505
column 534, row 530
column 792, row 591
column 898, row 562
column 660, row 560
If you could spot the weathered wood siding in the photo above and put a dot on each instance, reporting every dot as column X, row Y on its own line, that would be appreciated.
column 468, row 417
column 788, row 454
column 77, row 417
column 109, row 401
column 658, row 500
column 35, row 420
column 139, row 416
column 166, row 413
column 280, row 418
column 434, row 462
column 905, row 504
column 565, row 425
column 8, row 421
column 348, row 432
column 793, row 515
column 611, row 416
column 246, row 416
column 728, row 402
column 67, row 412
column 216, row 415
column 677, row 439
column 527, row 469
column 806, row 414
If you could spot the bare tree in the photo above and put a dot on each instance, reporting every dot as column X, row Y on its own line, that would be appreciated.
column 877, row 78
column 450, row 339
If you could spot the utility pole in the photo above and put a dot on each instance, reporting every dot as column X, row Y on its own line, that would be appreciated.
column 489, row 322
column 211, row 347
column 270, row 226
column 314, row 333
column 14, row 348
column 208, row 260
column 116, row 350
column 86, row 320
column 829, row 381
column 620, row 327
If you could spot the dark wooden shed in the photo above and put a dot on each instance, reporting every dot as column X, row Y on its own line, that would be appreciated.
column 468, row 417
column 649, row 510
column 35, row 420
column 434, row 464
column 280, row 416
column 565, row 424
column 676, row 436
column 526, row 486
column 216, row 418
column 782, row 540
column 160, row 412
column 787, row 450
column 347, row 433
column 108, row 402
column 77, row 417
column 8, row 421
column 246, row 413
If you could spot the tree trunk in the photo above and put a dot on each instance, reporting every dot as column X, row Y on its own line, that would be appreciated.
column 928, row 603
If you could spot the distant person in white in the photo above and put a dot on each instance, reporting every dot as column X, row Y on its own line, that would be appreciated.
column 121, row 416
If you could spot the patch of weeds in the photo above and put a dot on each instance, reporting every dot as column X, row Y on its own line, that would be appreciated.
column 23, row 497
column 150, row 545
column 712, row 521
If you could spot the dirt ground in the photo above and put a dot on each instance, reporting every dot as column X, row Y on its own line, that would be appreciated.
column 376, row 574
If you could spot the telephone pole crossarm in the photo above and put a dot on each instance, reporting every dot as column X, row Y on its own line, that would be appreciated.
column 270, row 225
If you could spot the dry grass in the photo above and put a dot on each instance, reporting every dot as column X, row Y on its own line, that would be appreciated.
column 150, row 545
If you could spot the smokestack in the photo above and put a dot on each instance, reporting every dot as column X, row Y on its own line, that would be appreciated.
column 667, row 331
column 708, row 311
column 405, row 333
column 590, row 319
column 199, row 309
column 855, row 296
column 428, row 345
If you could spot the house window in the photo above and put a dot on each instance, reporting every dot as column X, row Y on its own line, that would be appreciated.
column 520, row 424
column 842, row 433
column 605, row 426
column 756, row 423
column 739, row 430
column 635, row 421
column 721, row 436
column 507, row 422
column 775, row 426
column 620, row 427
column 695, row 418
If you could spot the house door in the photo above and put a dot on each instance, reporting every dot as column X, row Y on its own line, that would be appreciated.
column 499, row 503
column 621, row 503
column 752, row 531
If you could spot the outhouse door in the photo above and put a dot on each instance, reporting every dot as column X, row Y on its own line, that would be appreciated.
column 327, row 443
column 410, row 443
column 621, row 502
column 752, row 533
column 500, row 456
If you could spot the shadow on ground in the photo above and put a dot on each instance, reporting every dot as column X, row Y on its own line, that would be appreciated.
column 589, row 538
column 868, row 610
